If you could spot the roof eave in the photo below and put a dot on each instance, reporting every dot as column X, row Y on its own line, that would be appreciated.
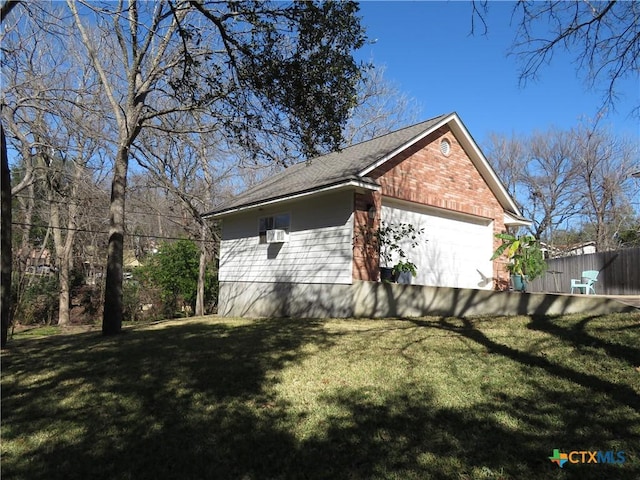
column 351, row 183
column 514, row 220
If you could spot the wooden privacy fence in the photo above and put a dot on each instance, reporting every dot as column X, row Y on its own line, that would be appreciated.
column 619, row 273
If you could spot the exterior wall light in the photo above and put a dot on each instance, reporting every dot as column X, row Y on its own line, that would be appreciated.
column 372, row 212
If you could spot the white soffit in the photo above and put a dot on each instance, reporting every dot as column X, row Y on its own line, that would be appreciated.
column 511, row 220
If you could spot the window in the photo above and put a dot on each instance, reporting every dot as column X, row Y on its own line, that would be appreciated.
column 280, row 221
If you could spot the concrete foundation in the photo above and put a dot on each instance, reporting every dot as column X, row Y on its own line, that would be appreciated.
column 381, row 300
column 303, row 300
column 377, row 300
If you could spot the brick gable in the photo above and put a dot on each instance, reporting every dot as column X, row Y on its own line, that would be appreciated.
column 422, row 174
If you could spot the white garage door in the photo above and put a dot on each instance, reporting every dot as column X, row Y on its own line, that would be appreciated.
column 457, row 250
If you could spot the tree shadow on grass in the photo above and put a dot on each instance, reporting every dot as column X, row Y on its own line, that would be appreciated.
column 196, row 401
column 405, row 437
column 604, row 418
column 184, row 401
column 577, row 335
column 622, row 393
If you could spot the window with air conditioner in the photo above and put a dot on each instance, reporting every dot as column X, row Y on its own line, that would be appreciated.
column 274, row 228
column 277, row 236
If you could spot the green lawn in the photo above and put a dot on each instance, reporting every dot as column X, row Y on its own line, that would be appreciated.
column 439, row 398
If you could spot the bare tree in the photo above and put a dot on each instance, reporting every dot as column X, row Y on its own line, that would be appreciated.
column 22, row 117
column 550, row 176
column 604, row 164
column 260, row 68
column 263, row 76
column 6, row 257
column 507, row 156
column 580, row 177
column 602, row 36
column 64, row 183
column 539, row 171
column 195, row 166
column 51, row 106
column 381, row 108
column 133, row 50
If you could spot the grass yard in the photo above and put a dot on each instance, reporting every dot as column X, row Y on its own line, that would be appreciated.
column 430, row 398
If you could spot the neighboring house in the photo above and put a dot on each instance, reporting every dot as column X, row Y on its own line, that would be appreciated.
column 39, row 262
column 130, row 260
column 432, row 175
column 580, row 249
column 556, row 251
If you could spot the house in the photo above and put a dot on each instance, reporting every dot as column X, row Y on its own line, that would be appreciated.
column 38, row 261
column 291, row 244
column 557, row 251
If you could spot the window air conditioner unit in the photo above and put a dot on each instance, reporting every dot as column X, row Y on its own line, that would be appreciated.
column 277, row 236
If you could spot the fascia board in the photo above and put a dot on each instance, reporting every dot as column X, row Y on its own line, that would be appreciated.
column 483, row 166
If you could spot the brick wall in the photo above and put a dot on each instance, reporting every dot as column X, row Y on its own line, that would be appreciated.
column 423, row 174
column 365, row 256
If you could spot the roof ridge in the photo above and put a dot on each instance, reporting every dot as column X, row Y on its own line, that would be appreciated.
column 354, row 145
column 399, row 130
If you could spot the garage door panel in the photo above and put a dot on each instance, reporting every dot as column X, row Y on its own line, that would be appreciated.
column 457, row 250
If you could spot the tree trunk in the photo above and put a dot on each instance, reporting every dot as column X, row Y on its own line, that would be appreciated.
column 60, row 259
column 65, row 263
column 65, row 288
column 202, row 271
column 5, row 233
column 113, row 294
column 5, row 228
column 64, row 243
column 27, row 207
column 6, row 255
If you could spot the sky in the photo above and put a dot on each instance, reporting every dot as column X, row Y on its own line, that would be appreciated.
column 429, row 55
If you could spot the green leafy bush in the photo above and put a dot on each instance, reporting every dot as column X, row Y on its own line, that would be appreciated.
column 174, row 271
column 36, row 300
column 132, row 308
column 524, row 253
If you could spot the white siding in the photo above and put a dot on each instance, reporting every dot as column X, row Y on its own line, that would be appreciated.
column 319, row 249
column 458, row 249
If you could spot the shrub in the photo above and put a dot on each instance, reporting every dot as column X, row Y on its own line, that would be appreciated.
column 132, row 308
column 37, row 300
column 174, row 270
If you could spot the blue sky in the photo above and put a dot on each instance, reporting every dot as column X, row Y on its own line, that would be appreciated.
column 430, row 56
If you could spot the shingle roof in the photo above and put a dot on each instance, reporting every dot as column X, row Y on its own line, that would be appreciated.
column 327, row 170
